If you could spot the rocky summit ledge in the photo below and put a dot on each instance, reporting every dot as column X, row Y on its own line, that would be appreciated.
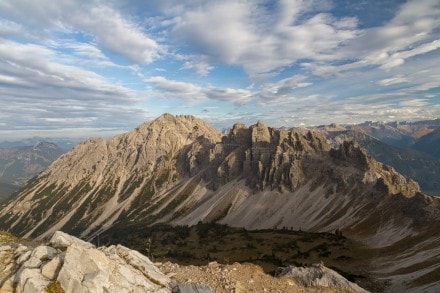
column 73, row 265
column 68, row 264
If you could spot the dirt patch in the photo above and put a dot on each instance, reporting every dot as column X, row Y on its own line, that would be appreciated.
column 237, row 278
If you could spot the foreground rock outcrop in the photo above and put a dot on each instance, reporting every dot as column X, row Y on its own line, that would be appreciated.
column 68, row 264
column 77, row 266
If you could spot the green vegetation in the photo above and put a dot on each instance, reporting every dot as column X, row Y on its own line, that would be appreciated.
column 7, row 237
column 54, row 287
column 130, row 186
column 207, row 242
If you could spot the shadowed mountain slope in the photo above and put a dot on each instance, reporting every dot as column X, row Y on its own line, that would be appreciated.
column 420, row 166
column 19, row 164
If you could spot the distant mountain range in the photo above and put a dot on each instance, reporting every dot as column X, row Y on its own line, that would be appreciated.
column 399, row 134
column 179, row 170
column 62, row 142
column 429, row 143
column 413, row 149
column 19, row 164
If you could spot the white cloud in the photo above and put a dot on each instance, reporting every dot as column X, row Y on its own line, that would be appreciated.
column 171, row 89
column 38, row 92
column 261, row 38
column 117, row 33
column 200, row 65
column 410, row 33
column 282, row 89
column 414, row 103
column 10, row 28
column 393, row 80
column 107, row 26
column 85, row 50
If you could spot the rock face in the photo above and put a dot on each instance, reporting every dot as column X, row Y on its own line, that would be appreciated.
column 317, row 275
column 422, row 167
column 79, row 267
column 101, row 180
column 180, row 170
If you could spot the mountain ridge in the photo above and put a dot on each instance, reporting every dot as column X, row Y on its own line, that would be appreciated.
column 179, row 170
column 173, row 158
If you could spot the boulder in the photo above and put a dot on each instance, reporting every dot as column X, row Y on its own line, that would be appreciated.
column 51, row 269
column 138, row 261
column 63, row 240
column 318, row 275
column 23, row 257
column 44, row 252
column 91, row 270
column 80, row 267
column 29, row 280
column 21, row 249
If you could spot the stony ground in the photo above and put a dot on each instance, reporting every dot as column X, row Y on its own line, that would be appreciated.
column 234, row 278
column 7, row 260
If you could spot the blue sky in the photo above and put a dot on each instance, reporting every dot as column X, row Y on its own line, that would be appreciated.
column 97, row 68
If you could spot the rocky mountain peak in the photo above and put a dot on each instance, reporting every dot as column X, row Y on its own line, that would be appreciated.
column 350, row 151
column 168, row 169
column 150, row 146
column 260, row 133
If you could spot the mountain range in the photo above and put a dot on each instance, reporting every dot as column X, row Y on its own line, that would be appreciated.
column 65, row 143
column 179, row 170
column 410, row 162
column 399, row 134
column 19, row 164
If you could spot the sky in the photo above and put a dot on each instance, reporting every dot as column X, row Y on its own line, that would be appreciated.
column 73, row 68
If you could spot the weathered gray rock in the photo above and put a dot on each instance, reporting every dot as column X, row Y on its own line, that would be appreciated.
column 318, row 275
column 7, row 267
column 80, row 267
column 29, row 280
column 21, row 249
column 64, row 240
column 24, row 257
column 91, row 270
column 32, row 262
column 44, row 252
column 192, row 288
column 51, row 269
column 139, row 262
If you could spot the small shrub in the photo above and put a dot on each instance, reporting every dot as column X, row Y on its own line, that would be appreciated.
column 54, row 287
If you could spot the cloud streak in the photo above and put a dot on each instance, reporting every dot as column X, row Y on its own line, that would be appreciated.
column 190, row 92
